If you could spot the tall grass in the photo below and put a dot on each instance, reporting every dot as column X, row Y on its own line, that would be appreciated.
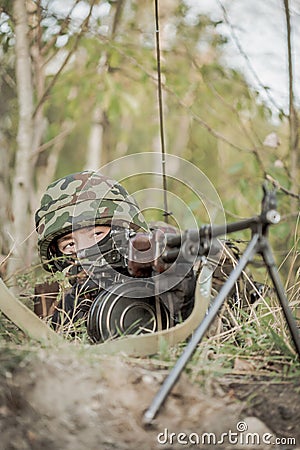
column 246, row 339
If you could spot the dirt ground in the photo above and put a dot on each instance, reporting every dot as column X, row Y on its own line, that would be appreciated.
column 64, row 400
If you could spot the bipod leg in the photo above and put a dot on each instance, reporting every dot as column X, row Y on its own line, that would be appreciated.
column 268, row 258
column 174, row 374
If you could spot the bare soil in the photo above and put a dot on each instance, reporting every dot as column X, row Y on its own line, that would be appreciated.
column 64, row 400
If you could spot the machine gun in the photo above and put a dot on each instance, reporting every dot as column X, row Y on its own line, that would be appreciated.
column 191, row 245
column 199, row 241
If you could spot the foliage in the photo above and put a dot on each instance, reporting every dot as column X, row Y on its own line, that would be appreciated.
column 213, row 118
column 242, row 341
column 227, row 145
column 256, row 344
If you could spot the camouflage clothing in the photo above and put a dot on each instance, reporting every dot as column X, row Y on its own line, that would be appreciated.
column 83, row 199
column 88, row 199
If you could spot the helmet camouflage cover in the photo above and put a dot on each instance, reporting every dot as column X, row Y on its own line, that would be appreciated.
column 83, row 199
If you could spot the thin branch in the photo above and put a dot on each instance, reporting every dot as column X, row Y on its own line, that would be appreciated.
column 53, row 141
column 117, row 17
column 293, row 119
column 246, row 58
column 49, row 44
column 282, row 188
column 255, row 149
column 63, row 65
column 181, row 102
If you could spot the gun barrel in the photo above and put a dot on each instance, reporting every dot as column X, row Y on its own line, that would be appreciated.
column 173, row 240
column 171, row 255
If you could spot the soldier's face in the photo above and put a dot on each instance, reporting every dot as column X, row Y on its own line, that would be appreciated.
column 81, row 239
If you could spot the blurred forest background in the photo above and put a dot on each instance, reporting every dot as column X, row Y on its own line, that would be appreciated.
column 79, row 89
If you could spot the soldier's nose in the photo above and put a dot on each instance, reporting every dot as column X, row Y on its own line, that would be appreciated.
column 83, row 242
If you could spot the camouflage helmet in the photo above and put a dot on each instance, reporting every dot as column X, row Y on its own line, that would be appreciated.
column 83, row 199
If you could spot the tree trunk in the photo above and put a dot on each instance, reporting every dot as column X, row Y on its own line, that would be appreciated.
column 293, row 118
column 97, row 151
column 94, row 150
column 23, row 170
column 4, row 168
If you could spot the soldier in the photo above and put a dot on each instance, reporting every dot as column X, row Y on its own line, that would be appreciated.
column 80, row 218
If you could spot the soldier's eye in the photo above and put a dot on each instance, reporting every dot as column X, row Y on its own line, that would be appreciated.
column 67, row 248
